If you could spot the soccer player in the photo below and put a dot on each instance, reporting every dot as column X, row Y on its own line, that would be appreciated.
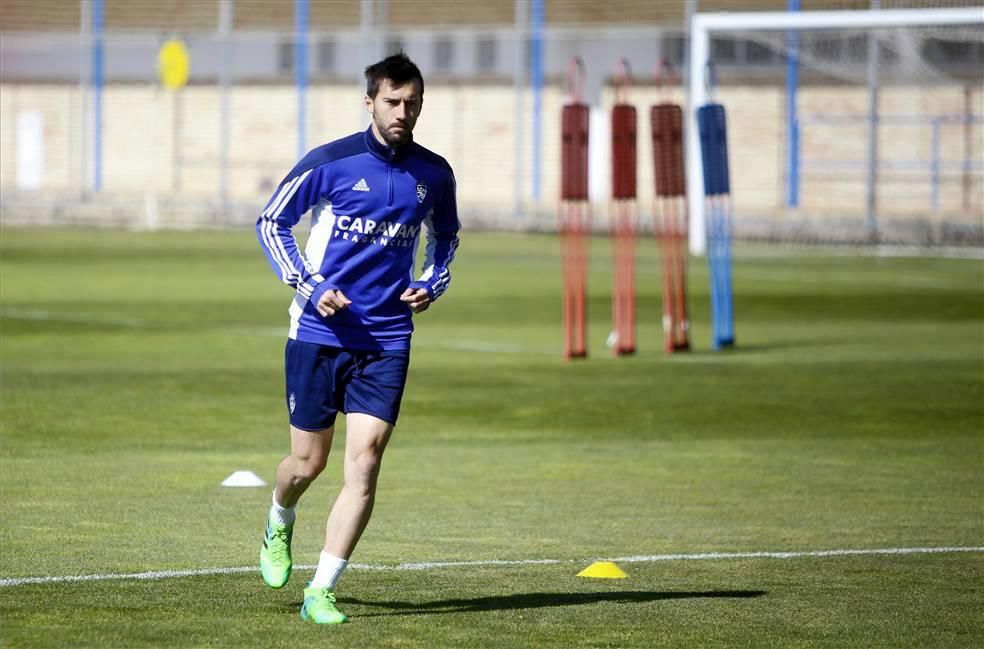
column 348, row 346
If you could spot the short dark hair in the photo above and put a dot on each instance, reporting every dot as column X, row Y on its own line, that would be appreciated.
column 398, row 68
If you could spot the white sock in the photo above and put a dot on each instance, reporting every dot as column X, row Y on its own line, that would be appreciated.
column 281, row 515
column 330, row 569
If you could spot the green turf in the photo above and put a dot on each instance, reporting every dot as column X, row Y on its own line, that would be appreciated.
column 138, row 370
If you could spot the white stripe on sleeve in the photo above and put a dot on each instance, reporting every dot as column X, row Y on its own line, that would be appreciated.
column 289, row 272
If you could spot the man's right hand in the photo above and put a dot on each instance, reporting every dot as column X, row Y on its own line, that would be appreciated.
column 331, row 303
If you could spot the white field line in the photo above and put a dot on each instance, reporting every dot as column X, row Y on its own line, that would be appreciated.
column 435, row 565
column 249, row 330
column 488, row 347
column 793, row 250
column 914, row 252
column 47, row 316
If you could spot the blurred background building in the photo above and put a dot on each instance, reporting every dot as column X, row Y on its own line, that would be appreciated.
column 90, row 134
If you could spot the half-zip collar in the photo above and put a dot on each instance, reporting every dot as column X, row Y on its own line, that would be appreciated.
column 385, row 152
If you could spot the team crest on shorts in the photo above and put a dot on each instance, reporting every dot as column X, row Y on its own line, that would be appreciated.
column 421, row 192
column 291, row 402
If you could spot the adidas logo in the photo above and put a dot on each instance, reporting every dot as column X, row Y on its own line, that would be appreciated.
column 360, row 186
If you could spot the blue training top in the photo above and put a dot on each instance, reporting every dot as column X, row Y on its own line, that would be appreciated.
column 368, row 204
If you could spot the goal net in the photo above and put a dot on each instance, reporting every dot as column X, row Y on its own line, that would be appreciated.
column 854, row 132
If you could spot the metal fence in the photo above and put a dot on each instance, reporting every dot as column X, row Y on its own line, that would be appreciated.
column 94, row 137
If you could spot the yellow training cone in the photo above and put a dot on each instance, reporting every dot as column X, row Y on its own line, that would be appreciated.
column 603, row 570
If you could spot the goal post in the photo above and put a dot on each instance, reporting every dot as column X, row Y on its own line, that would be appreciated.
column 704, row 25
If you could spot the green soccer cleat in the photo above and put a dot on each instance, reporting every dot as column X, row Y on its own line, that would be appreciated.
column 319, row 607
column 275, row 561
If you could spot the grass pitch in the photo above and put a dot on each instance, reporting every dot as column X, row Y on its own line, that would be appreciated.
column 138, row 370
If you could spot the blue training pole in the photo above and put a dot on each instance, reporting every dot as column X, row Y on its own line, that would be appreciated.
column 727, row 338
column 712, row 128
column 792, row 112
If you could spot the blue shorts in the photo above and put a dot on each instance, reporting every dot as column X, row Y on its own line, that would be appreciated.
column 323, row 380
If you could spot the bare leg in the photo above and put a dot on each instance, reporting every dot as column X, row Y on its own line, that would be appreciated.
column 308, row 456
column 365, row 441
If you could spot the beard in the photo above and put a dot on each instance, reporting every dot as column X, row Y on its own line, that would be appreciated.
column 394, row 139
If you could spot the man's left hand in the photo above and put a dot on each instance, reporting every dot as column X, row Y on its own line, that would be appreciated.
column 416, row 298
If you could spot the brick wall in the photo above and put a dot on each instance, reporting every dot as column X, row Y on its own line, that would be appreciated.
column 159, row 143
